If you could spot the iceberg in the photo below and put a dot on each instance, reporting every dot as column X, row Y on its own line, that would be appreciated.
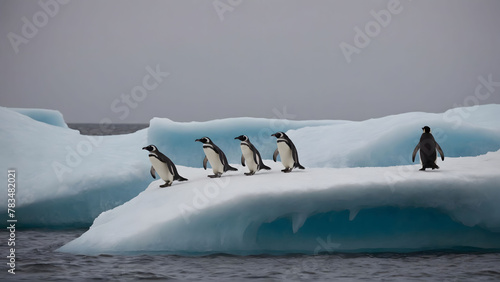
column 66, row 180
column 389, row 141
column 51, row 117
column 386, row 141
column 370, row 209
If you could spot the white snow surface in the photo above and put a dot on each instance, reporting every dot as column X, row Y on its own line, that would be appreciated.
column 307, row 211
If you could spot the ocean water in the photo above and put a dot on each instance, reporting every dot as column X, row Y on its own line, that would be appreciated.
column 37, row 260
column 115, row 129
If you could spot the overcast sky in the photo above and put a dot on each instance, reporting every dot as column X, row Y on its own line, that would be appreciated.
column 130, row 61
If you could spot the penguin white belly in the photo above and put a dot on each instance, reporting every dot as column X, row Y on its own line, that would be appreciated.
column 213, row 158
column 162, row 169
column 248, row 155
column 286, row 155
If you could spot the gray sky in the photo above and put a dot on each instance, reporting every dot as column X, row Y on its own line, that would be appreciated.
column 248, row 58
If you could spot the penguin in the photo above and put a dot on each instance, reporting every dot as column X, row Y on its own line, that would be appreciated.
column 286, row 149
column 163, row 166
column 216, row 157
column 251, row 155
column 427, row 146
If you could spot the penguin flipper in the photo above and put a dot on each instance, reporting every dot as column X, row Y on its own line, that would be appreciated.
column 205, row 160
column 153, row 172
column 242, row 160
column 171, row 167
column 415, row 152
column 275, row 155
column 256, row 155
column 440, row 151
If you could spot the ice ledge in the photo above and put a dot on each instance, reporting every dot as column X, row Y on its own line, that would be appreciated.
column 240, row 214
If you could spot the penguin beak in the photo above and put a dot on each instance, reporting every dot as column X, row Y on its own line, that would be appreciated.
column 239, row 137
column 273, row 134
column 197, row 140
column 144, row 148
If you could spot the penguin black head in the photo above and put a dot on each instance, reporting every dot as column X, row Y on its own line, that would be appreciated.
column 151, row 148
column 242, row 138
column 279, row 134
column 204, row 140
column 426, row 129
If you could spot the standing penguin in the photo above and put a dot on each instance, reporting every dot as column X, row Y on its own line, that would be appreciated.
column 427, row 146
column 215, row 156
column 287, row 151
column 250, row 154
column 163, row 165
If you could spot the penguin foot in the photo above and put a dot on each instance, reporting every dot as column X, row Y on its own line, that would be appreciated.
column 167, row 184
column 422, row 169
column 249, row 173
column 215, row 175
column 286, row 170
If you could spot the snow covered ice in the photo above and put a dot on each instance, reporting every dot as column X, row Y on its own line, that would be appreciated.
column 65, row 179
column 51, row 117
column 357, row 193
column 319, row 209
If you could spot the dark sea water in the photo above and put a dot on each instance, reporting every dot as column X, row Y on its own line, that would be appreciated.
column 114, row 129
column 37, row 260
